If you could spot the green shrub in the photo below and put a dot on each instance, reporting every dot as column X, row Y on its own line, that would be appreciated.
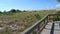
column 58, row 12
column 37, row 16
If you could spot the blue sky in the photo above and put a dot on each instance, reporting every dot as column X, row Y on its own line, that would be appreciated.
column 27, row 4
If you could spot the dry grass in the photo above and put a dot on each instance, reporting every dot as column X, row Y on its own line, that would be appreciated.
column 24, row 19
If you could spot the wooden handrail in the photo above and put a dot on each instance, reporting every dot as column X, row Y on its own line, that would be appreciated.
column 54, row 15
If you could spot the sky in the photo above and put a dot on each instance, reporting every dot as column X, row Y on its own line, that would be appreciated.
column 27, row 4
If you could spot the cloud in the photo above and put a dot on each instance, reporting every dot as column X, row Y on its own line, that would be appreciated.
column 58, row 5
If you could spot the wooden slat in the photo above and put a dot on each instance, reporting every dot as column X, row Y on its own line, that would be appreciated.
column 47, row 29
column 57, row 29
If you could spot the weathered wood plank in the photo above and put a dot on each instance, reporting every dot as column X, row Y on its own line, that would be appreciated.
column 47, row 29
column 57, row 28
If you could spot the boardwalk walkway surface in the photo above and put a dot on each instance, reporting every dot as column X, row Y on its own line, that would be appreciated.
column 51, row 28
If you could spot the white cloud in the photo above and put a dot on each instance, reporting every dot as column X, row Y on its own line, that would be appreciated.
column 58, row 5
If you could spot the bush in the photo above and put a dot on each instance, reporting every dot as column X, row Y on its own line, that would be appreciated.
column 0, row 12
column 12, row 11
column 18, row 11
column 37, row 16
column 24, row 11
column 58, row 12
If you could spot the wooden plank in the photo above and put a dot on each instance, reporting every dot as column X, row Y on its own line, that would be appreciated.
column 57, row 28
column 47, row 29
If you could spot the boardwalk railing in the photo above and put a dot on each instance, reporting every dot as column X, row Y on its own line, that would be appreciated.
column 40, row 25
column 54, row 17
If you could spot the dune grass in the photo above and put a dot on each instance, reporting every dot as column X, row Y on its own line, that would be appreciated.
column 25, row 19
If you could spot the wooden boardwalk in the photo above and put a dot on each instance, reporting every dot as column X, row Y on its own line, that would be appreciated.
column 48, row 28
column 51, row 28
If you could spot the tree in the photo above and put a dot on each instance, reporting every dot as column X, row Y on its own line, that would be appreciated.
column 12, row 11
column 24, row 11
column 0, row 12
column 18, row 11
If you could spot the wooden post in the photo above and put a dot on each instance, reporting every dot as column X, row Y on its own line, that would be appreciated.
column 47, row 19
column 38, row 27
column 57, row 17
column 53, row 18
column 44, row 20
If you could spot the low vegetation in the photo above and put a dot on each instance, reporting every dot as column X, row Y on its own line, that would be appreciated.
column 16, row 21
